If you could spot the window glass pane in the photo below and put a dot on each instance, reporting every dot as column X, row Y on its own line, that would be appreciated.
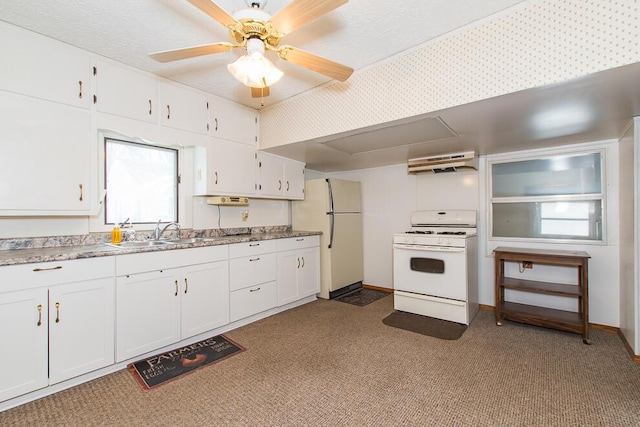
column 580, row 220
column 559, row 175
column 141, row 182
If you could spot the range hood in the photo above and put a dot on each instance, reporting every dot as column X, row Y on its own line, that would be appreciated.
column 443, row 163
column 228, row 201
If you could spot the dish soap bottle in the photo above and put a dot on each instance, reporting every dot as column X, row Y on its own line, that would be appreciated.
column 116, row 235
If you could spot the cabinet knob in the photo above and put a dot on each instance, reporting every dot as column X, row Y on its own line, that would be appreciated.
column 39, row 315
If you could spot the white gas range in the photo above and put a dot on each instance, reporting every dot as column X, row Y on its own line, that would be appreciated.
column 435, row 266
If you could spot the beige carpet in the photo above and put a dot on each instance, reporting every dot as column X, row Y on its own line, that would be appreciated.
column 335, row 364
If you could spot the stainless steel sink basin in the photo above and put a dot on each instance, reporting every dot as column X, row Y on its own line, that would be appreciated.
column 190, row 240
column 139, row 244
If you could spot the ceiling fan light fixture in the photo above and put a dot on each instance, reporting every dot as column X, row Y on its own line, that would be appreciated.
column 254, row 69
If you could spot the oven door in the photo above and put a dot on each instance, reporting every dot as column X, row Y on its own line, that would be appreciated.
column 430, row 270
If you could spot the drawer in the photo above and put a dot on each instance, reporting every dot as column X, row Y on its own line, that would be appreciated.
column 294, row 243
column 252, row 300
column 162, row 260
column 249, row 271
column 25, row 276
column 440, row 308
column 238, row 250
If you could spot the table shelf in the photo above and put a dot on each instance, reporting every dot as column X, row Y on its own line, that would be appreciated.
column 577, row 322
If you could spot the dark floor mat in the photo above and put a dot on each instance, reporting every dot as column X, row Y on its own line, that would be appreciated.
column 425, row 325
column 362, row 296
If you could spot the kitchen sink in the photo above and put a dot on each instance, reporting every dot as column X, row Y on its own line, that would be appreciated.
column 189, row 240
column 140, row 244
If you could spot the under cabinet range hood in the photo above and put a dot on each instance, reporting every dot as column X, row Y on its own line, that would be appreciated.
column 443, row 163
column 228, row 201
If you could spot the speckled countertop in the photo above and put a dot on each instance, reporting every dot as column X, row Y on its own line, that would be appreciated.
column 25, row 251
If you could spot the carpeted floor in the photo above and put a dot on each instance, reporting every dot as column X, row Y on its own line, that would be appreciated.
column 333, row 364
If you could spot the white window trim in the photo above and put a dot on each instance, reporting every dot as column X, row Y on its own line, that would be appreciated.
column 96, row 222
column 586, row 148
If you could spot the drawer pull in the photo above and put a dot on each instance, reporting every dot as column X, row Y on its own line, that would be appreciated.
column 254, row 259
column 57, row 267
column 39, row 315
column 254, row 244
column 57, row 312
column 254, row 290
column 176, row 294
column 186, row 285
column 300, row 240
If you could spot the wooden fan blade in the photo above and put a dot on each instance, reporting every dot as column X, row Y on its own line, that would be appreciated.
column 300, row 12
column 216, row 12
column 191, row 52
column 259, row 92
column 315, row 63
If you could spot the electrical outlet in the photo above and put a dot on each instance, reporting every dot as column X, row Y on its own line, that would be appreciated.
column 527, row 264
column 245, row 214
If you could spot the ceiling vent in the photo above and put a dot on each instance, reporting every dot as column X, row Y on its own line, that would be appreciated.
column 443, row 163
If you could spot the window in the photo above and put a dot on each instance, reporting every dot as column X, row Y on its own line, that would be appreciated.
column 557, row 198
column 141, row 181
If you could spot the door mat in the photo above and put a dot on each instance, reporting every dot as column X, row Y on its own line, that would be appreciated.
column 362, row 296
column 158, row 369
column 425, row 325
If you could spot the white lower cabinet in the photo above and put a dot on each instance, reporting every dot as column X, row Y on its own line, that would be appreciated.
column 298, row 268
column 60, row 316
column 252, row 278
column 168, row 296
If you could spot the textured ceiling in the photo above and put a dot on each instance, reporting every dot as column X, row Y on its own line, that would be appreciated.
column 358, row 34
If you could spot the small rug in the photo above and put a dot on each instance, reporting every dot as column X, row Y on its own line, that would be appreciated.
column 362, row 296
column 158, row 369
column 425, row 325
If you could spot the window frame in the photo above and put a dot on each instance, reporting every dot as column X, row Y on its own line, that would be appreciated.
column 541, row 155
column 97, row 221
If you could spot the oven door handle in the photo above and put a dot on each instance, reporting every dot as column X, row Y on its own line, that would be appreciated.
column 428, row 248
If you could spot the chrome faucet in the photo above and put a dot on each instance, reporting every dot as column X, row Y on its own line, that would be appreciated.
column 157, row 233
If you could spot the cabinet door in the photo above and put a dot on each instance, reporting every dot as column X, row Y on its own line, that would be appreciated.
column 233, row 122
column 225, row 168
column 288, row 266
column 205, row 297
column 183, row 108
column 270, row 176
column 126, row 92
column 81, row 328
column 147, row 312
column 309, row 272
column 293, row 180
column 48, row 146
column 23, row 333
column 44, row 68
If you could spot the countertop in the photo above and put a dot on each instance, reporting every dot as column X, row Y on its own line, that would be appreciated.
column 63, row 253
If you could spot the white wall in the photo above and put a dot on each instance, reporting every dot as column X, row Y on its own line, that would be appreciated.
column 389, row 195
column 629, row 299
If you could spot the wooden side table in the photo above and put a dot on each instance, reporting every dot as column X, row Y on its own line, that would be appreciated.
column 577, row 322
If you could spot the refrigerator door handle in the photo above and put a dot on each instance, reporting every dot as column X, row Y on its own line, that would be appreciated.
column 331, row 219
column 330, row 197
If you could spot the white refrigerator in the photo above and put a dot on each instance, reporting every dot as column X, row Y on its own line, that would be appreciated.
column 333, row 207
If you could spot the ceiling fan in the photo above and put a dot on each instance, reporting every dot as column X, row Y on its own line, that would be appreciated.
column 256, row 31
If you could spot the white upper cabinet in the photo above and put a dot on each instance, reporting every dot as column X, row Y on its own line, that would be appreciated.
column 279, row 178
column 233, row 122
column 44, row 68
column 126, row 92
column 183, row 108
column 224, row 168
column 48, row 148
